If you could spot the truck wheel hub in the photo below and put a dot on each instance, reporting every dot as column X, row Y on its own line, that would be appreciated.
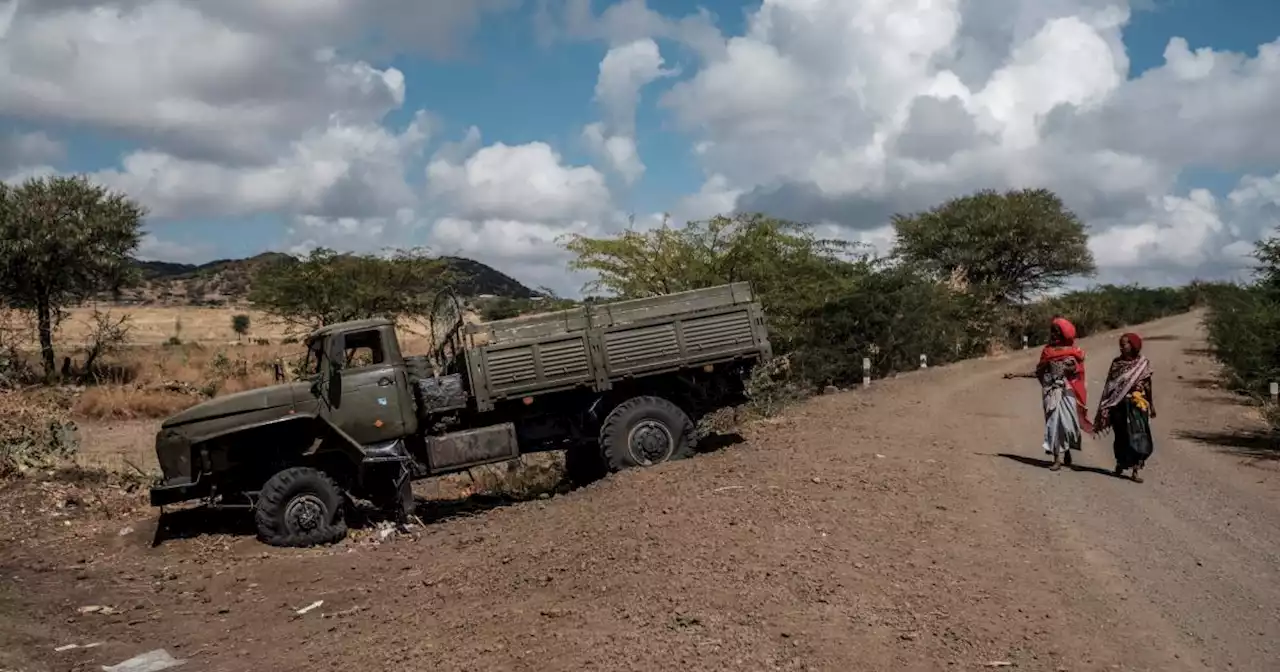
column 650, row 442
column 304, row 512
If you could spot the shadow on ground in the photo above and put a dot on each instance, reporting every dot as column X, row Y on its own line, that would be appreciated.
column 1161, row 337
column 1258, row 445
column 198, row 521
column 1045, row 464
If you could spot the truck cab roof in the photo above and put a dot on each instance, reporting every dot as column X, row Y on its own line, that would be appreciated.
column 352, row 325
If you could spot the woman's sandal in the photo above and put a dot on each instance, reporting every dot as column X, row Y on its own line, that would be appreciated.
column 1136, row 478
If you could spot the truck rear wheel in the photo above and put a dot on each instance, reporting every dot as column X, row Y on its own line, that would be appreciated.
column 300, row 507
column 645, row 431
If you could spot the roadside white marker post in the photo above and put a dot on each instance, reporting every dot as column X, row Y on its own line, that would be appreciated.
column 866, row 372
column 1275, row 392
column 1024, row 341
column 924, row 361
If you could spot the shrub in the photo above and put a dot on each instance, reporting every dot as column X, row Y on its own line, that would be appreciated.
column 37, row 433
column 1242, row 324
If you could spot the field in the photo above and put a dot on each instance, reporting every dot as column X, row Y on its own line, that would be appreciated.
column 174, row 358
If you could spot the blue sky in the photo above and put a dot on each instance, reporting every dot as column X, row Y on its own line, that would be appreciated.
column 518, row 89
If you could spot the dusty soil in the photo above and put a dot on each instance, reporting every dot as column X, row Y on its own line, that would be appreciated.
column 909, row 527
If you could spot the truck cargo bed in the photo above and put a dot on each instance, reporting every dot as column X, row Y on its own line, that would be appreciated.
column 593, row 346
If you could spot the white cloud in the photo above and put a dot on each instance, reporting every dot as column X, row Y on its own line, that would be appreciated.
column 1195, row 234
column 523, row 182
column 168, row 74
column 25, row 155
column 846, row 112
column 624, row 71
column 830, row 111
column 511, row 206
column 335, row 171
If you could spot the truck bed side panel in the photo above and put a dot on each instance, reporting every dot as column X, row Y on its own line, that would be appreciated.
column 707, row 337
column 517, row 369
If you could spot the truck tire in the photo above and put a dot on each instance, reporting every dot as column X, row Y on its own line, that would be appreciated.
column 645, row 431
column 300, row 507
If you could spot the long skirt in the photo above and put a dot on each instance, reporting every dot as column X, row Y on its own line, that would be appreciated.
column 1133, row 444
column 1062, row 431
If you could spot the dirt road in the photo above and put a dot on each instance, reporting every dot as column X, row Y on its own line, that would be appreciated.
column 911, row 527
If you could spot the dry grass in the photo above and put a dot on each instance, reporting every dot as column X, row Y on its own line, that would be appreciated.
column 155, row 376
column 189, row 324
column 151, row 378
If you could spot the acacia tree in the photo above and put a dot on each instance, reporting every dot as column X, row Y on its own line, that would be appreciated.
column 1007, row 247
column 326, row 287
column 63, row 240
column 788, row 266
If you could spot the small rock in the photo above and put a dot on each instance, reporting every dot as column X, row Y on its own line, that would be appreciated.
column 816, row 479
column 830, row 389
column 126, row 531
column 910, row 636
column 879, row 456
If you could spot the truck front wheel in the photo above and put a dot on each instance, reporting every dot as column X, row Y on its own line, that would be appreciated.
column 300, row 507
column 644, row 431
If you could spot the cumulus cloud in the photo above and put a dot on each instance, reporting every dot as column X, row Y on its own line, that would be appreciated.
column 624, row 71
column 831, row 111
column 510, row 206
column 518, row 182
column 166, row 73
column 846, row 112
column 28, row 153
column 337, row 171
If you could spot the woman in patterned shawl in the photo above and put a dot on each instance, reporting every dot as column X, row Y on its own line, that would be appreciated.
column 1127, row 407
column 1061, row 375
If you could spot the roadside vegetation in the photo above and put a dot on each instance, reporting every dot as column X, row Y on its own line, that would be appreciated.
column 1242, row 323
column 967, row 278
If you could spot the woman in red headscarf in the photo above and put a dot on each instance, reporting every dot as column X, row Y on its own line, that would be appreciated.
column 1061, row 375
column 1127, row 406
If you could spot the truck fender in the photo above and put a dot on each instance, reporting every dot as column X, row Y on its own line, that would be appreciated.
column 299, row 418
column 327, row 436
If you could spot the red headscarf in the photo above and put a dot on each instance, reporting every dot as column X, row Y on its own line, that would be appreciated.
column 1068, row 349
column 1134, row 340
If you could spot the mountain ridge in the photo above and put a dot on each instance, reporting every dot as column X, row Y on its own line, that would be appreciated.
column 228, row 281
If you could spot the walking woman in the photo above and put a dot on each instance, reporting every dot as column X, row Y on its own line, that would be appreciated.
column 1062, row 385
column 1127, row 407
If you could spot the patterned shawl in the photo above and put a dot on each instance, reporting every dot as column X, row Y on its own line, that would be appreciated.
column 1124, row 377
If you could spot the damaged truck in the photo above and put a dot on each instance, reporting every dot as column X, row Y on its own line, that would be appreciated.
column 617, row 385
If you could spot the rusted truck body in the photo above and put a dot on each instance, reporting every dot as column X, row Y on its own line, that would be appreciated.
column 617, row 385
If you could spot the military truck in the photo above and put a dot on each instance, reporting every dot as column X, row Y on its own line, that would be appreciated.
column 617, row 385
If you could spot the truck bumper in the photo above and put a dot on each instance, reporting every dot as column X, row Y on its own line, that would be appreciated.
column 177, row 490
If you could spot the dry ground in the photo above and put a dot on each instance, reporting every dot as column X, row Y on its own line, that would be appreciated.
column 909, row 527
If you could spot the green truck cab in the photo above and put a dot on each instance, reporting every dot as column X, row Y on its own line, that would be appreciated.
column 617, row 385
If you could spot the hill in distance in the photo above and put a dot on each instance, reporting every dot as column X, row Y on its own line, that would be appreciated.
column 227, row 281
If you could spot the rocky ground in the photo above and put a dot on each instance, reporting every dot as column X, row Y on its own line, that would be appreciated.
column 910, row 527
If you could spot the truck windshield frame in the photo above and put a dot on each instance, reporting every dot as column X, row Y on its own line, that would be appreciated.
column 315, row 354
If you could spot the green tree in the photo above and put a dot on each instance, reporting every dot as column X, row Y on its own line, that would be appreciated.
column 240, row 325
column 790, row 268
column 1007, row 247
column 63, row 240
column 326, row 287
